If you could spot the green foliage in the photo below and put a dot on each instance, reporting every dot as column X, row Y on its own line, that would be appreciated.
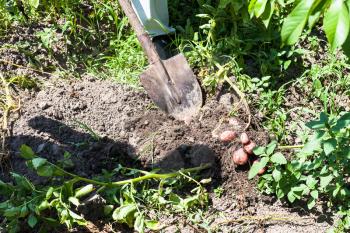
column 320, row 169
column 128, row 201
column 335, row 21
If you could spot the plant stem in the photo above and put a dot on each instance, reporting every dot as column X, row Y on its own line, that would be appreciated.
column 134, row 180
column 291, row 147
column 159, row 176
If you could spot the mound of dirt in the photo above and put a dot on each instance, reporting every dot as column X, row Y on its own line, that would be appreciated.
column 103, row 124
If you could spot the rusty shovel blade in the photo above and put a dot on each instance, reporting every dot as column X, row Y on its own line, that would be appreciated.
column 181, row 96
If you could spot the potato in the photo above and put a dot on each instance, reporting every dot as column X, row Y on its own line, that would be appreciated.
column 249, row 147
column 244, row 138
column 240, row 157
column 227, row 136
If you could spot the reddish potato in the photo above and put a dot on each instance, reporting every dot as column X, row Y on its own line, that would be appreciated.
column 249, row 147
column 240, row 157
column 262, row 170
column 227, row 136
column 244, row 138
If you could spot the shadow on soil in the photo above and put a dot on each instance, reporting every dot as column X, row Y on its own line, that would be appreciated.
column 91, row 155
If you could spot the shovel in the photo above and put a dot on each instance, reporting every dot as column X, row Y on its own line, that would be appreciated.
column 170, row 83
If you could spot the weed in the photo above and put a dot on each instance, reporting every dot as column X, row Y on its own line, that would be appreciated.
column 85, row 127
column 219, row 191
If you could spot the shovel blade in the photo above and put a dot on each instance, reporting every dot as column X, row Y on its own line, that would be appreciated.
column 183, row 84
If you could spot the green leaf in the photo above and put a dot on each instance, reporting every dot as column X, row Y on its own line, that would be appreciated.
column 49, row 193
column 22, row 181
column 311, row 182
column 345, row 152
column 75, row 216
column 314, row 194
column 12, row 212
column 152, row 225
column 277, row 175
column 270, row 148
column 125, row 214
column 26, row 152
column 24, row 211
column 45, row 171
column 336, row 23
column 34, row 3
column 74, row 201
column 329, row 146
column 342, row 122
column 37, row 162
column 43, row 205
column 6, row 189
column 259, row 7
column 325, row 180
column 266, row 16
column 321, row 123
column 84, row 190
column 318, row 9
column 139, row 224
column 256, row 167
column 280, row 193
column 346, row 45
column 32, row 220
column 291, row 197
column 251, row 7
column 295, row 22
column 313, row 144
column 278, row 158
column 224, row 3
column 311, row 203
column 107, row 209
column 259, row 150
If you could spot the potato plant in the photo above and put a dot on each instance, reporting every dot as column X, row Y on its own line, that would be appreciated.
column 127, row 201
column 320, row 170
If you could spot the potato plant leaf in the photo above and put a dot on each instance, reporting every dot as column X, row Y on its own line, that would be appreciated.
column 139, row 224
column 295, row 22
column 46, row 170
column 125, row 214
column 278, row 158
column 256, row 167
column 38, row 162
column 84, row 190
column 32, row 220
column 325, row 180
column 336, row 23
column 26, row 152
column 342, row 122
column 152, row 225
column 329, row 146
column 259, row 150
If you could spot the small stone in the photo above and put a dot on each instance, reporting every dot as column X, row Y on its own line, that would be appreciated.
column 44, row 105
column 190, row 139
column 122, row 134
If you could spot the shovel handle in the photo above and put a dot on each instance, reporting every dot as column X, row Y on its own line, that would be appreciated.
column 142, row 35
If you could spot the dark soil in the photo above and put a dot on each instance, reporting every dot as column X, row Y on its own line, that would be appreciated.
column 136, row 134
